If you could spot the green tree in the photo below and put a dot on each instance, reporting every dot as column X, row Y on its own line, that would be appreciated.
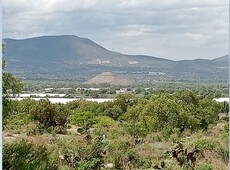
column 124, row 101
column 82, row 118
column 10, row 85
column 115, row 112
column 50, row 115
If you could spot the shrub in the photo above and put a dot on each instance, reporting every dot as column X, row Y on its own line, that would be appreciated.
column 104, row 121
column 136, row 129
column 87, row 157
column 223, row 153
column 50, row 115
column 114, row 112
column 128, row 159
column 82, row 118
column 226, row 128
column 25, row 105
column 23, row 155
column 20, row 119
column 123, row 101
column 204, row 143
column 204, row 167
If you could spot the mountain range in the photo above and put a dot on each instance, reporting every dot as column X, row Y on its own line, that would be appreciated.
column 69, row 57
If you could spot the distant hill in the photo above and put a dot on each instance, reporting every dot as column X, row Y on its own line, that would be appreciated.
column 70, row 50
column 113, row 79
column 75, row 58
column 222, row 59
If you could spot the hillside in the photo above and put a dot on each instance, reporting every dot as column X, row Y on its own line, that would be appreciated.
column 75, row 58
column 113, row 79
column 69, row 50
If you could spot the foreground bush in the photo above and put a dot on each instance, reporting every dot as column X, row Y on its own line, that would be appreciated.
column 86, row 157
column 23, row 155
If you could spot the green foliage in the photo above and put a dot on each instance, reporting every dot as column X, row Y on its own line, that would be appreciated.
column 10, row 84
column 162, row 110
column 115, row 112
column 20, row 119
column 82, row 118
column 127, row 159
column 224, row 107
column 136, row 129
column 104, row 121
column 204, row 167
column 87, row 157
column 23, row 155
column 73, row 105
column 136, row 123
column 223, row 153
column 24, row 106
column 167, row 112
column 134, row 158
column 204, row 143
column 124, row 101
column 50, row 115
column 134, row 113
column 226, row 128
column 94, row 160
column 88, row 106
column 207, row 112
column 187, row 97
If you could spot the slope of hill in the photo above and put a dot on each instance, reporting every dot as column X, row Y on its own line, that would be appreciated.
column 69, row 50
column 113, row 79
column 72, row 57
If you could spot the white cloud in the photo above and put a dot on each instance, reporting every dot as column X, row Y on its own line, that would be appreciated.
column 167, row 28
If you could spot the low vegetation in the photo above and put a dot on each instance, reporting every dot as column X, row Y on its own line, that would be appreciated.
column 174, row 131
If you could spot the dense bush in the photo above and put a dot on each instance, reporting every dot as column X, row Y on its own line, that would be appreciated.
column 136, row 129
column 85, row 157
column 50, row 115
column 123, row 155
column 204, row 143
column 166, row 112
column 23, row 155
column 104, row 121
column 114, row 112
column 82, row 118
column 20, row 119
column 124, row 101
column 24, row 106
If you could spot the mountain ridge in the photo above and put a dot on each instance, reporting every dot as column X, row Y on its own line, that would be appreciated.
column 71, row 56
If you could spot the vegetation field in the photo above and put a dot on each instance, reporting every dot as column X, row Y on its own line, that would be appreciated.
column 179, row 130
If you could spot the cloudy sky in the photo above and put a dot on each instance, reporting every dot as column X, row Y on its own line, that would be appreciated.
column 173, row 29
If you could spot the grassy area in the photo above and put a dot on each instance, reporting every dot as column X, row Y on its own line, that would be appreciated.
column 178, row 131
column 121, row 149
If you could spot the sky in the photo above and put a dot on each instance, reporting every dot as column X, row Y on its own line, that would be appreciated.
column 171, row 29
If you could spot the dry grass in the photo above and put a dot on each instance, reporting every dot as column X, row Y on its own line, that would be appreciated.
column 154, row 145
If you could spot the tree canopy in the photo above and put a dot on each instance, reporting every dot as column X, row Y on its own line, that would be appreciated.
column 10, row 85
